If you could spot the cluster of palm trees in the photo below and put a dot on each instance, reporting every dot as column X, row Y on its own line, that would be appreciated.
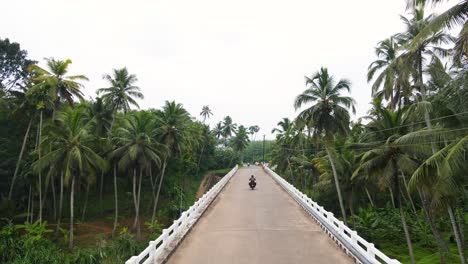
column 79, row 144
column 412, row 146
column 236, row 137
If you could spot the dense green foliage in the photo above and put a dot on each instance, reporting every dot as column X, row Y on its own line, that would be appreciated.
column 397, row 175
column 96, row 164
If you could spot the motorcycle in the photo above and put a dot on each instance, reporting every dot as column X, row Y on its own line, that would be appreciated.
column 252, row 184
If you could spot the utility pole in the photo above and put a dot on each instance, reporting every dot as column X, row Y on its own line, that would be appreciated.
column 263, row 149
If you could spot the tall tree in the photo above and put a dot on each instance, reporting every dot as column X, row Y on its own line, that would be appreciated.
column 229, row 128
column 392, row 80
column 138, row 150
column 14, row 65
column 71, row 153
column 240, row 141
column 172, row 133
column 66, row 87
column 122, row 91
column 328, row 114
column 206, row 113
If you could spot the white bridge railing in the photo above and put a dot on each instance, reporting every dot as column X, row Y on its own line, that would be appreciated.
column 160, row 248
column 348, row 239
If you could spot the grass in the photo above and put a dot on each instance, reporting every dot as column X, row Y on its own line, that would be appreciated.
column 422, row 254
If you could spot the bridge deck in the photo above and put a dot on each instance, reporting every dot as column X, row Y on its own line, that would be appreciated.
column 261, row 226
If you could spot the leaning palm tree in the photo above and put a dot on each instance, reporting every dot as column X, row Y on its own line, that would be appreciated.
column 442, row 173
column 329, row 113
column 122, row 91
column 206, row 113
column 71, row 153
column 172, row 132
column 386, row 159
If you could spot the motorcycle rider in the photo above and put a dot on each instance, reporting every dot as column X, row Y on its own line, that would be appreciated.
column 252, row 178
column 252, row 182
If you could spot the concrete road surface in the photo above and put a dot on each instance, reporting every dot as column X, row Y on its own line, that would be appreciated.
column 261, row 226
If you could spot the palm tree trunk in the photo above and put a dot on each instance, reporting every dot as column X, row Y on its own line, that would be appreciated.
column 52, row 185
column 116, row 201
column 23, row 146
column 29, row 203
column 351, row 206
column 441, row 245
column 40, row 174
column 407, row 236
column 460, row 223
column 86, row 202
column 402, row 213
column 59, row 217
column 337, row 183
column 456, row 232
column 199, row 160
column 138, row 206
column 155, row 206
column 392, row 197
column 32, row 207
column 408, row 193
column 153, row 187
column 72, row 192
column 369, row 196
column 134, row 193
column 100, row 191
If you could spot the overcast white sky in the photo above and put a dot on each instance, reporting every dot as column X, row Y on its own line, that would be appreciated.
column 243, row 58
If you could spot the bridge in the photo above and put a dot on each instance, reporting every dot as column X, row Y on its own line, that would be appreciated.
column 275, row 223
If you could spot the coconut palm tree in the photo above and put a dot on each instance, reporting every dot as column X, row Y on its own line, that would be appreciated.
column 66, row 87
column 253, row 130
column 329, row 113
column 240, row 141
column 49, row 86
column 137, row 151
column 122, row 91
column 229, row 128
column 450, row 19
column 428, row 47
column 286, row 132
column 71, row 153
column 392, row 77
column 441, row 174
column 206, row 113
column 99, row 118
column 172, row 132
column 386, row 158
column 218, row 130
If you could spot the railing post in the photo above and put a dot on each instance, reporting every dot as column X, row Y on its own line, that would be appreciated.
column 354, row 237
column 132, row 260
column 152, row 246
column 370, row 250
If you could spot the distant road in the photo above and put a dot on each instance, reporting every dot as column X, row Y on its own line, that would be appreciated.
column 261, row 226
